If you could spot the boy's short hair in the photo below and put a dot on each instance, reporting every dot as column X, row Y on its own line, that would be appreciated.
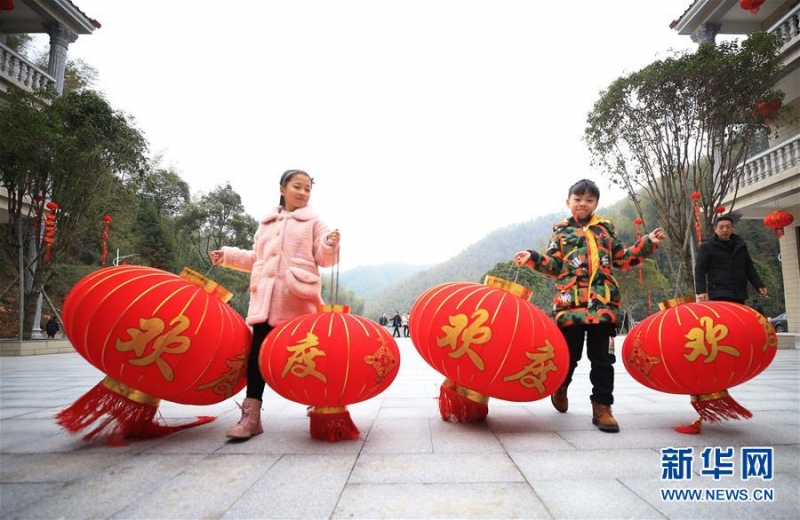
column 584, row 186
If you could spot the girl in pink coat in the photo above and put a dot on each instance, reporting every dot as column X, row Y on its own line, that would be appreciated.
column 289, row 247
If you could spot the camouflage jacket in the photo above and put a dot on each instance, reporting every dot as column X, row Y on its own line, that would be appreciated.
column 580, row 259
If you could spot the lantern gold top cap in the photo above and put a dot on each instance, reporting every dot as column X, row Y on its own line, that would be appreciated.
column 508, row 286
column 207, row 284
column 342, row 309
column 674, row 302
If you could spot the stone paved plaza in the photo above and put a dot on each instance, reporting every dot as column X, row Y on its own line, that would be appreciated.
column 525, row 461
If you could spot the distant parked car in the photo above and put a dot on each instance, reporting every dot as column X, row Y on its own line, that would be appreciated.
column 780, row 323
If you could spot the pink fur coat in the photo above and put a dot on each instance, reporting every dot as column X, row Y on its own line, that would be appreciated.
column 288, row 249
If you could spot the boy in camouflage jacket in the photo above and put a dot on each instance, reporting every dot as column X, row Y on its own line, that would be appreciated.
column 581, row 253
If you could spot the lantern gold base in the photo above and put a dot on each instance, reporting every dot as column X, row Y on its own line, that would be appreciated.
column 118, row 416
column 332, row 424
column 461, row 404
column 719, row 406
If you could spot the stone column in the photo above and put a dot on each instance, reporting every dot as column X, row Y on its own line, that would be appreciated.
column 706, row 33
column 60, row 38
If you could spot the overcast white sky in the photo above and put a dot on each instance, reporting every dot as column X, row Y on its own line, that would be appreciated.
column 427, row 124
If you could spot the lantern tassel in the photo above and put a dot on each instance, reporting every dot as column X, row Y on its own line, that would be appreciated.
column 461, row 404
column 694, row 428
column 121, row 413
column 719, row 406
column 332, row 424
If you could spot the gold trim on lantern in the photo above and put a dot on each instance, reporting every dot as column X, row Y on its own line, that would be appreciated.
column 137, row 396
column 207, row 284
column 508, row 286
column 329, row 409
column 674, row 302
column 472, row 395
column 342, row 309
column 710, row 397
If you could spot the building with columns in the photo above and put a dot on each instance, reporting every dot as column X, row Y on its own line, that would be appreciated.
column 62, row 20
column 771, row 177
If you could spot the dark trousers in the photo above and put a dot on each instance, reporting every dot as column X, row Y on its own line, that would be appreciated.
column 598, row 344
column 396, row 331
column 255, row 381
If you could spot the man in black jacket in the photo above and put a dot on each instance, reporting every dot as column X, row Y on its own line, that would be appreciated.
column 723, row 266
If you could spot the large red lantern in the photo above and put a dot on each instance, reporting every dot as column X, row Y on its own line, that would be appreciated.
column 777, row 220
column 701, row 349
column 329, row 360
column 488, row 341
column 156, row 336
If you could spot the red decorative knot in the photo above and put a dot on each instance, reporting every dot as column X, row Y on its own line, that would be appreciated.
column 638, row 222
column 720, row 209
column 696, row 195
column 751, row 5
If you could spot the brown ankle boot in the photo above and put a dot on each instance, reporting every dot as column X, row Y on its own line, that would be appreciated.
column 559, row 399
column 250, row 423
column 603, row 419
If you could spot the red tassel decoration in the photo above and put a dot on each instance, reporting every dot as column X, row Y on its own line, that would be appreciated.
column 332, row 424
column 121, row 412
column 698, row 231
column 691, row 429
column 106, row 221
column 719, row 406
column 461, row 404
column 49, row 228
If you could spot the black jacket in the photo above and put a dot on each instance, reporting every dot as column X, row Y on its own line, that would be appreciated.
column 723, row 271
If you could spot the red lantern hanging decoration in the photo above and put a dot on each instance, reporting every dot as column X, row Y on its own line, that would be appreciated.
column 701, row 349
column 156, row 336
column 697, row 229
column 777, row 220
column 751, row 5
column 719, row 210
column 488, row 341
column 49, row 228
column 766, row 109
column 329, row 360
column 6, row 5
column 106, row 221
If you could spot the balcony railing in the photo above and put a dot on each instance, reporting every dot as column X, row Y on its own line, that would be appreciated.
column 21, row 72
column 788, row 27
column 773, row 161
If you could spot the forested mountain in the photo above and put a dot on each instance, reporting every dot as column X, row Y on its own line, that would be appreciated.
column 472, row 264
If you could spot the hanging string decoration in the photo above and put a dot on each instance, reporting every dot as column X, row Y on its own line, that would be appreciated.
column 638, row 222
column 49, row 228
column 698, row 231
column 106, row 222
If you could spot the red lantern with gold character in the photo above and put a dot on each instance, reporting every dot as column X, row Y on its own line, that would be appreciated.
column 156, row 336
column 488, row 341
column 777, row 220
column 329, row 360
column 701, row 349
